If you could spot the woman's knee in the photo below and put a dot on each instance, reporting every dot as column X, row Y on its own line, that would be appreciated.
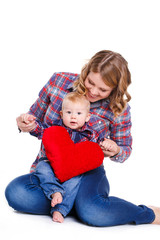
column 20, row 192
column 14, row 192
column 25, row 195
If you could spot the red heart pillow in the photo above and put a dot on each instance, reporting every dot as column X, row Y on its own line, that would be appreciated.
column 67, row 158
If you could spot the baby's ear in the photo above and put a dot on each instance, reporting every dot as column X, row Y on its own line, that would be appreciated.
column 61, row 113
column 88, row 117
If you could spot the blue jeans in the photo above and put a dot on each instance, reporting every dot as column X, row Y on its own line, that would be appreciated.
column 93, row 205
column 50, row 184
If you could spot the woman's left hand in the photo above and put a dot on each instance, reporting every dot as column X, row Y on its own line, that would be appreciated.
column 109, row 147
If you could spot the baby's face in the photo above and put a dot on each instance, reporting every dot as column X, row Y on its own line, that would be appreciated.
column 75, row 115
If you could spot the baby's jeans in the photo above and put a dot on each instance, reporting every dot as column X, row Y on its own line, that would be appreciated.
column 50, row 184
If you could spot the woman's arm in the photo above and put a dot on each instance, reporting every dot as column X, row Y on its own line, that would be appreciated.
column 37, row 112
column 120, row 141
column 39, row 108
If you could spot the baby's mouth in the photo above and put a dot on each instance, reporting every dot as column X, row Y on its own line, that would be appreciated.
column 73, row 123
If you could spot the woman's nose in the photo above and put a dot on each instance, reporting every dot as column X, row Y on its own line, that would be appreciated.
column 94, row 91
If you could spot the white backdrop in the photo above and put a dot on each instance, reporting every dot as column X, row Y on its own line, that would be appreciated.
column 38, row 38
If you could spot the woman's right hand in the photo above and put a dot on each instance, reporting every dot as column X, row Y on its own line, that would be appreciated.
column 26, row 122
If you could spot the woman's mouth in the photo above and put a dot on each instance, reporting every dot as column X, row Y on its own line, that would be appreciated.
column 90, row 95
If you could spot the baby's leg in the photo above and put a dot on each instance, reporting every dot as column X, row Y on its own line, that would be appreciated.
column 56, row 198
column 57, row 217
column 48, row 181
column 60, row 211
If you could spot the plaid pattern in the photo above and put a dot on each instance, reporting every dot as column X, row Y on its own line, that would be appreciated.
column 86, row 133
column 47, row 111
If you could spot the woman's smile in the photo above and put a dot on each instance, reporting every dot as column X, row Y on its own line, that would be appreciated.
column 93, row 96
column 96, row 88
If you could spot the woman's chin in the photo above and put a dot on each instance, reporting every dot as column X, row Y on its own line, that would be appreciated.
column 91, row 98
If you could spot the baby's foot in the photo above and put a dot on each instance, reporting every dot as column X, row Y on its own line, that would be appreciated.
column 57, row 217
column 56, row 198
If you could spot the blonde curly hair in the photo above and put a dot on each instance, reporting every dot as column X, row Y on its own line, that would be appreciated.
column 114, row 71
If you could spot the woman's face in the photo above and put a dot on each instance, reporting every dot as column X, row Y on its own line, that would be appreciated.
column 97, row 89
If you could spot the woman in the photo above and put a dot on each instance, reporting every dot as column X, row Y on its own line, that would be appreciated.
column 104, row 80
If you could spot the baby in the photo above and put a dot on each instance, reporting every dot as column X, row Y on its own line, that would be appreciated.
column 75, row 113
column 74, row 117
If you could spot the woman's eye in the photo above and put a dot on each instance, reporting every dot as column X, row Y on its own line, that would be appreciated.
column 103, row 90
column 90, row 82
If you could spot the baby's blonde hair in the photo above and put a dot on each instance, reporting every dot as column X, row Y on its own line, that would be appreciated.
column 75, row 97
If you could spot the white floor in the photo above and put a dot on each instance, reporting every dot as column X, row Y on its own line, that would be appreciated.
column 24, row 226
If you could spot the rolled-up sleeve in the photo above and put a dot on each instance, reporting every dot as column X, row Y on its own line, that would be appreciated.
column 121, row 134
column 39, row 108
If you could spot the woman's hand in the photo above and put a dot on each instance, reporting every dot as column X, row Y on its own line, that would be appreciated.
column 109, row 147
column 26, row 122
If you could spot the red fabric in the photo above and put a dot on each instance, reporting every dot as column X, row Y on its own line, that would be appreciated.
column 67, row 158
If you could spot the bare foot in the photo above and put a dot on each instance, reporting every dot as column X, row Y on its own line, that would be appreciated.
column 57, row 217
column 156, row 211
column 56, row 198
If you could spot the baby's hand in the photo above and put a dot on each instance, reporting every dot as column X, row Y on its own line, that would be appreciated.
column 27, row 118
column 26, row 122
column 109, row 147
column 107, row 144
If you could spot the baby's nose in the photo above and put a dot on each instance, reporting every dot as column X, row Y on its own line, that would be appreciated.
column 73, row 116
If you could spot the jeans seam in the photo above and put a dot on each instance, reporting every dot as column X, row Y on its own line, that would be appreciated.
column 98, row 186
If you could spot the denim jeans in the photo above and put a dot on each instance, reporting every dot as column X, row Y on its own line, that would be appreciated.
column 50, row 184
column 93, row 205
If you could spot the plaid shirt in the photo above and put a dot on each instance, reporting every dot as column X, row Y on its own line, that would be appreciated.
column 47, row 111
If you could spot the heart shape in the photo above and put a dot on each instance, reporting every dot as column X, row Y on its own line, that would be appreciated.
column 69, row 159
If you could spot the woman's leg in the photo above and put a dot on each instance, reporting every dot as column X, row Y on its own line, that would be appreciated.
column 94, row 207
column 24, row 194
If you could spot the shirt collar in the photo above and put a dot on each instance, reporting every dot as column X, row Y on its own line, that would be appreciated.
column 86, row 128
column 70, row 86
column 103, row 102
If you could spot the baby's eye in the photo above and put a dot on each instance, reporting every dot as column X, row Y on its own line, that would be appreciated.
column 69, row 112
column 79, row 113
